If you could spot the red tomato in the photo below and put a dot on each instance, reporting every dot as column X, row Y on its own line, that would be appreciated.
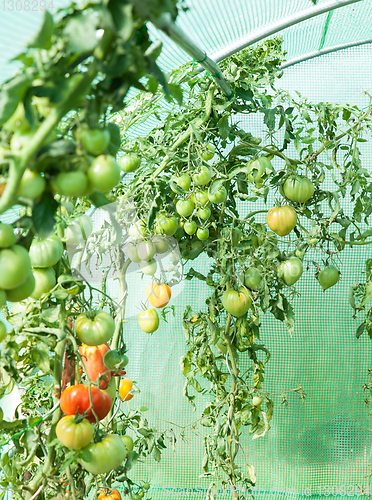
column 76, row 399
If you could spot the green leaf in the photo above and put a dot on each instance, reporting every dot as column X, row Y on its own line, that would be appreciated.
column 251, row 474
column 269, row 119
column 43, row 214
column 156, row 454
column 131, row 459
column 176, row 92
column 122, row 17
column 216, row 185
column 43, row 38
column 143, row 408
column 223, row 127
column 185, row 363
column 12, row 92
column 40, row 355
column 80, row 31
column 115, row 138
column 360, row 330
column 51, row 315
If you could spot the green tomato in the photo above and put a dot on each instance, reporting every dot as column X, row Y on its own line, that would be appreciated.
column 146, row 250
column 204, row 213
column 146, row 486
column 190, row 227
column 257, row 168
column 129, row 163
column 104, row 173
column 7, row 236
column 72, row 184
column 32, row 185
column 114, row 360
column 219, row 196
column 46, row 252
column 18, row 121
column 148, row 320
column 202, row 177
column 257, row 401
column 184, row 182
column 290, row 270
column 237, row 303
column 149, row 267
column 236, row 236
column 138, row 229
column 201, row 198
column 128, row 443
column 45, row 280
column 328, row 277
column 96, row 329
column 95, row 141
column 23, row 291
column 132, row 252
column 2, row 331
column 166, row 225
column 161, row 243
column 202, row 233
column 208, row 152
column 15, row 267
column 252, row 278
column 106, row 455
column 185, row 207
column 298, row 188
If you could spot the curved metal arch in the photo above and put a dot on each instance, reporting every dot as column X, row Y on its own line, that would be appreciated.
column 322, row 52
column 277, row 26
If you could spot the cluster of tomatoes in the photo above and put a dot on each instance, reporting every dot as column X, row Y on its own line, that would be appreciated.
column 26, row 274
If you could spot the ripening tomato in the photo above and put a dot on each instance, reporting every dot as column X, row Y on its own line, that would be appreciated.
column 2, row 331
column 76, row 399
column 92, row 358
column 74, row 435
column 109, row 495
column 185, row 207
column 328, row 277
column 124, row 389
column 15, row 267
column 158, row 294
column 94, row 328
column 129, row 163
column 7, row 236
column 208, row 152
column 148, row 320
column 184, row 182
column 72, row 184
column 46, row 252
column 104, row 173
column 257, row 168
column 95, row 141
column 290, row 270
column 45, row 280
column 32, row 185
column 106, row 455
column 237, row 303
column 298, row 188
column 202, row 177
column 281, row 219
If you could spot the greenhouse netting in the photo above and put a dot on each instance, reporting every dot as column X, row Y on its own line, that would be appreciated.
column 319, row 442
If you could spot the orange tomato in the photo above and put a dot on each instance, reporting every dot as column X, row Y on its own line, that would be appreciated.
column 92, row 357
column 109, row 495
column 124, row 389
column 281, row 219
column 158, row 294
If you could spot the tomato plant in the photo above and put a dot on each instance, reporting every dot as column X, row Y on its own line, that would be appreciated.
column 282, row 219
column 76, row 398
column 73, row 433
column 148, row 320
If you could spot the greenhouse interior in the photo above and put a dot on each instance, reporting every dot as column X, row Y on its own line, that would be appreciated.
column 185, row 270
